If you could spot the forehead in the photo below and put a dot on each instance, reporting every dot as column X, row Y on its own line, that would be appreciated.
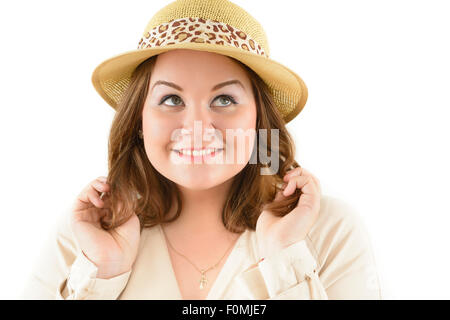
column 197, row 66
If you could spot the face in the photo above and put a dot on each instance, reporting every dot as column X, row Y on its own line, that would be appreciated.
column 203, row 101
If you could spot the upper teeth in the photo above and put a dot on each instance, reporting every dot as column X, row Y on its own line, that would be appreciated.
column 196, row 153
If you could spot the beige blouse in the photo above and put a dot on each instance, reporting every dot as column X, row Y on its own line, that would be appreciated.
column 334, row 261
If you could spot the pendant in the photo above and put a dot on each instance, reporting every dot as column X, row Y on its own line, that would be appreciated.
column 203, row 281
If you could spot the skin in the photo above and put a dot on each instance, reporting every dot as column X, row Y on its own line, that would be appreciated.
column 203, row 186
column 275, row 233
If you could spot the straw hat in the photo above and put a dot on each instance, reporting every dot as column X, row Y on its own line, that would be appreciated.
column 218, row 26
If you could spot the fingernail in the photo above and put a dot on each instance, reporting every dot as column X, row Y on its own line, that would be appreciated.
column 103, row 179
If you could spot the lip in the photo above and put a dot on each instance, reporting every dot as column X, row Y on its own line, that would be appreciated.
column 199, row 158
column 199, row 149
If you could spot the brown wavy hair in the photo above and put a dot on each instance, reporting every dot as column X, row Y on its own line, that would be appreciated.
column 137, row 187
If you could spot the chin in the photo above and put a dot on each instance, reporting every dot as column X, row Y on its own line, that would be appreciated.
column 197, row 186
column 197, row 179
column 196, row 176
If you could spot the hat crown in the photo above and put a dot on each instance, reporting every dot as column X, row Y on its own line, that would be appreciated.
column 224, row 11
column 218, row 26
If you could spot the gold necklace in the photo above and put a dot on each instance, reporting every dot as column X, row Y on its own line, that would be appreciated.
column 203, row 281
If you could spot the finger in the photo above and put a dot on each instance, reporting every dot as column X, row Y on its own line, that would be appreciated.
column 90, row 215
column 100, row 186
column 316, row 181
column 291, row 170
column 290, row 188
column 304, row 182
column 302, row 171
column 294, row 172
column 94, row 197
column 83, row 201
column 310, row 197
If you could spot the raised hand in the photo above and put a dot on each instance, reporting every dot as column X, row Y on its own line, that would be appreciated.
column 112, row 251
column 275, row 233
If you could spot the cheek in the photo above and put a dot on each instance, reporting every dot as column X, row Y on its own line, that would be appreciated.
column 157, row 130
column 241, row 138
column 245, row 118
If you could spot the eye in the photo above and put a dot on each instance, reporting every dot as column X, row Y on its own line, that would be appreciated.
column 222, row 97
column 169, row 98
column 226, row 98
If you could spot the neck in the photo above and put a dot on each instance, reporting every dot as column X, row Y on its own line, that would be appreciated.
column 201, row 214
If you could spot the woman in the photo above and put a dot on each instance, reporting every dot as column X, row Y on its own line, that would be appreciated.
column 203, row 198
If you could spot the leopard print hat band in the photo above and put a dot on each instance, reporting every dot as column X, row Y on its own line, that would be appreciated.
column 218, row 26
column 199, row 30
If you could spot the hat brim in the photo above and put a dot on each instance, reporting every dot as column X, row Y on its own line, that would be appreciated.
column 290, row 93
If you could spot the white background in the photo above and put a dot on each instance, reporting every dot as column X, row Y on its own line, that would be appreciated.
column 374, row 130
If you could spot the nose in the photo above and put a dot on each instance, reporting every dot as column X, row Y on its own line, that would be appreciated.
column 197, row 126
column 195, row 113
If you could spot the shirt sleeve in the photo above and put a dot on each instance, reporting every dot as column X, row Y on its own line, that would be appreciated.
column 289, row 274
column 82, row 283
column 63, row 272
column 334, row 261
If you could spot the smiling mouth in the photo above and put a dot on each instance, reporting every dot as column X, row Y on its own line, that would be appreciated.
column 197, row 154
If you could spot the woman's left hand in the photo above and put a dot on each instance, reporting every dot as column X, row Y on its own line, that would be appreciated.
column 275, row 233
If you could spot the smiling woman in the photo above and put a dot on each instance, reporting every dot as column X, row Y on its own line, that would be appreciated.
column 196, row 72
column 192, row 76
column 169, row 222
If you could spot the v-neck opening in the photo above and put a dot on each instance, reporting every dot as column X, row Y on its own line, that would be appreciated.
column 221, row 274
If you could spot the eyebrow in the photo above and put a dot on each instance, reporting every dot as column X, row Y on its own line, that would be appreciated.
column 216, row 87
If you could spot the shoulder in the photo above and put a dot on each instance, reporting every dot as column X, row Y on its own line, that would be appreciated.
column 339, row 233
column 336, row 216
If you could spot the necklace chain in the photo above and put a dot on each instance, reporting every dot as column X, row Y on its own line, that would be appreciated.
column 203, row 281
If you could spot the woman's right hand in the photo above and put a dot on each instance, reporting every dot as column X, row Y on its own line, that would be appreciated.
column 112, row 251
